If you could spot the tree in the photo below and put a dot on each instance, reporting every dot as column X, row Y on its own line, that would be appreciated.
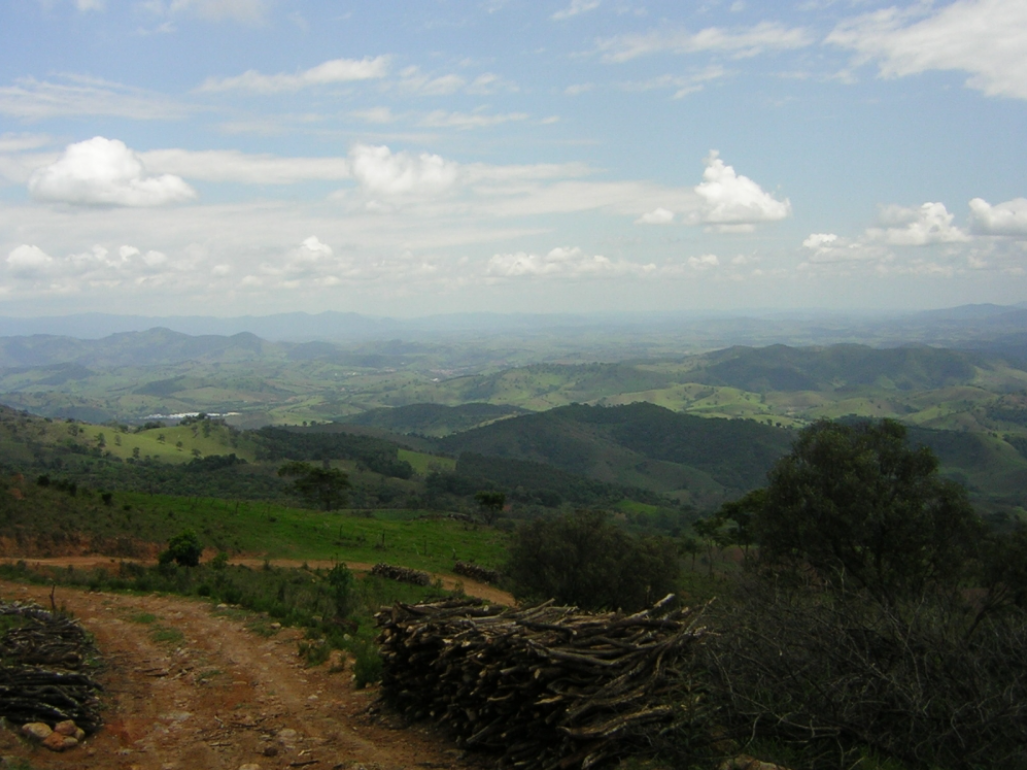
column 583, row 559
column 860, row 507
column 491, row 505
column 184, row 549
column 324, row 487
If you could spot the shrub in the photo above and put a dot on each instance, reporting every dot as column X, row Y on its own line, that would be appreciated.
column 585, row 560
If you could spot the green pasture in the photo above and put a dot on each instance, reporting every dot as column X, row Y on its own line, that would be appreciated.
column 424, row 463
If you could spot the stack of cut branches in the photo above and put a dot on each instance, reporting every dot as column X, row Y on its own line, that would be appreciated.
column 402, row 574
column 476, row 572
column 40, row 677
column 546, row 687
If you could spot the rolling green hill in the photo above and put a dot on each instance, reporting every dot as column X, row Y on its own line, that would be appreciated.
column 433, row 419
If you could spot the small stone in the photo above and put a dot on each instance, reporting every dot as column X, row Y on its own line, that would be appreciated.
column 67, row 727
column 270, row 751
column 80, row 734
column 288, row 735
column 249, row 766
column 58, row 742
column 276, row 626
column 37, row 731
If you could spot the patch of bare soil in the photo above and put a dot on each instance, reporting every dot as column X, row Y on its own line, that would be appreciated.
column 189, row 687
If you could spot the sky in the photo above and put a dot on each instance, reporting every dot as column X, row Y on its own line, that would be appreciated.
column 228, row 157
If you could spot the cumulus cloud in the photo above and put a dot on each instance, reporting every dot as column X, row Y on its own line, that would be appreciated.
column 703, row 262
column 383, row 172
column 658, row 216
column 312, row 256
column 562, row 262
column 97, row 267
column 334, row 71
column 576, row 8
column 736, row 201
column 27, row 261
column 739, row 43
column 930, row 223
column 103, row 171
column 828, row 248
column 1009, row 218
column 985, row 38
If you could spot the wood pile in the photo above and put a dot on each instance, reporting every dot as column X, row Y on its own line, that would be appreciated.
column 546, row 687
column 42, row 655
column 402, row 574
column 476, row 572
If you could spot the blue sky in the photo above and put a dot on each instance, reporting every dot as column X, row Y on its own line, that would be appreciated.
column 408, row 158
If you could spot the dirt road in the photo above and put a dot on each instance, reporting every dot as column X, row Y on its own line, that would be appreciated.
column 189, row 687
column 450, row 582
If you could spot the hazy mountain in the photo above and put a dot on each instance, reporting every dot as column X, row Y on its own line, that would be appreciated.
column 154, row 346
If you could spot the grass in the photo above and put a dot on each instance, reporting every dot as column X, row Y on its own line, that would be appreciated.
column 421, row 539
column 424, row 463
column 166, row 635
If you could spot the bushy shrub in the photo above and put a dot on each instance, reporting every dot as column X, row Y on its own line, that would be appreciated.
column 585, row 560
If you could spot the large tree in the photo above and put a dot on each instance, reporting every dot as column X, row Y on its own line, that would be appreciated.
column 324, row 487
column 861, row 508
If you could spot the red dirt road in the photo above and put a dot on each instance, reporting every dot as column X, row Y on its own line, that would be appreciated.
column 220, row 697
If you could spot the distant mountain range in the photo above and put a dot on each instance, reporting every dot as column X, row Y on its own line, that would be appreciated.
column 709, row 329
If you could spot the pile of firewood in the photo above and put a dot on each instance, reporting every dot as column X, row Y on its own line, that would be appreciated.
column 476, row 572
column 41, row 660
column 545, row 687
column 402, row 574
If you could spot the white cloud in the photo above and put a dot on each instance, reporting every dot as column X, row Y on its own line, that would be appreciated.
column 334, row 71
column 985, row 38
column 489, row 83
column 90, row 5
column 1009, row 218
column 310, row 257
column 733, row 200
column 244, row 11
column 930, row 223
column 235, row 166
column 703, row 262
column 465, row 121
column 658, row 216
column 740, row 43
column 575, row 8
column 103, row 171
column 383, row 172
column 562, row 262
column 27, row 261
column 413, row 81
column 32, row 99
column 22, row 142
column 829, row 248
column 374, row 115
column 579, row 88
column 683, row 85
